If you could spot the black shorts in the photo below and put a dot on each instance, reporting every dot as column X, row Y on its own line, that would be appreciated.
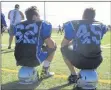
column 80, row 61
column 11, row 30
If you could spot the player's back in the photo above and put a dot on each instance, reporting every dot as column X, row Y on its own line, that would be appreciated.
column 15, row 17
column 88, row 35
column 89, row 31
column 33, row 32
column 30, row 36
column 27, row 34
column 28, row 31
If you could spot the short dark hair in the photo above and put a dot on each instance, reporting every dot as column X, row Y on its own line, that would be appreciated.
column 17, row 6
column 31, row 11
column 89, row 13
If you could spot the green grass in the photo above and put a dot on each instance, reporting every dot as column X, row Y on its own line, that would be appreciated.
column 58, row 66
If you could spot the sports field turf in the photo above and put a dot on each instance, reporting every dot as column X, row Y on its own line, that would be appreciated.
column 9, row 68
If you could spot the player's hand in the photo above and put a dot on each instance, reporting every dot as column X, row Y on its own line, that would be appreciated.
column 44, row 47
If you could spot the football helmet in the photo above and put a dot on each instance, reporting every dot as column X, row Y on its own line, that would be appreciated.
column 27, row 75
column 87, row 79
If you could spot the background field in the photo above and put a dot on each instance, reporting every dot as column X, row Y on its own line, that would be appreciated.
column 9, row 78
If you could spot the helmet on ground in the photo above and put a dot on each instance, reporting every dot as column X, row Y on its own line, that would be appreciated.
column 27, row 75
column 87, row 79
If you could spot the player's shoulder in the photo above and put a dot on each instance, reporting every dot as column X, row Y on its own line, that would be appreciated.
column 46, row 28
column 46, row 23
column 72, row 21
column 22, row 23
column 11, row 10
column 97, row 22
column 67, row 23
column 104, row 26
column 100, row 23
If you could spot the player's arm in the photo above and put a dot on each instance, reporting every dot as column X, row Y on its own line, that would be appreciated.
column 50, row 43
column 9, row 15
column 104, row 29
column 51, row 48
column 69, row 34
column 3, row 20
column 65, row 42
column 22, row 15
column 46, row 35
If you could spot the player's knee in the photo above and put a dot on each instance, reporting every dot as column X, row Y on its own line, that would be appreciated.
column 51, row 50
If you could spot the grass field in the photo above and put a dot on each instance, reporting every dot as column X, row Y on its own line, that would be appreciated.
column 58, row 82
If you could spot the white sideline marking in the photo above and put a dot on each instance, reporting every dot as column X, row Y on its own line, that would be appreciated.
column 55, row 76
column 103, row 46
column 107, row 45
column 7, row 44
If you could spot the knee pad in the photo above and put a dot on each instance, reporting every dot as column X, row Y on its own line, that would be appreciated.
column 87, row 79
column 27, row 75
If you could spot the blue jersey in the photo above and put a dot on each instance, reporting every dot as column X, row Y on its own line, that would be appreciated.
column 43, row 32
column 85, row 34
column 3, row 22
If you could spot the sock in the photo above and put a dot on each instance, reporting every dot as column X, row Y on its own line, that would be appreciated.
column 46, row 64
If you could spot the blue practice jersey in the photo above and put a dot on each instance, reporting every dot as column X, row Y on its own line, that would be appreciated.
column 84, row 33
column 3, row 22
column 44, row 33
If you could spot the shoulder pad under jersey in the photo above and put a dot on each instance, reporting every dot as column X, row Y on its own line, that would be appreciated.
column 46, row 22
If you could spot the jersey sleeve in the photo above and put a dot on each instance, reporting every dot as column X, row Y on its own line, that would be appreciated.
column 69, row 32
column 46, row 30
column 104, row 29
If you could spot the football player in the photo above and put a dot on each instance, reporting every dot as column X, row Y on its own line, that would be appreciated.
column 81, row 44
column 30, row 37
